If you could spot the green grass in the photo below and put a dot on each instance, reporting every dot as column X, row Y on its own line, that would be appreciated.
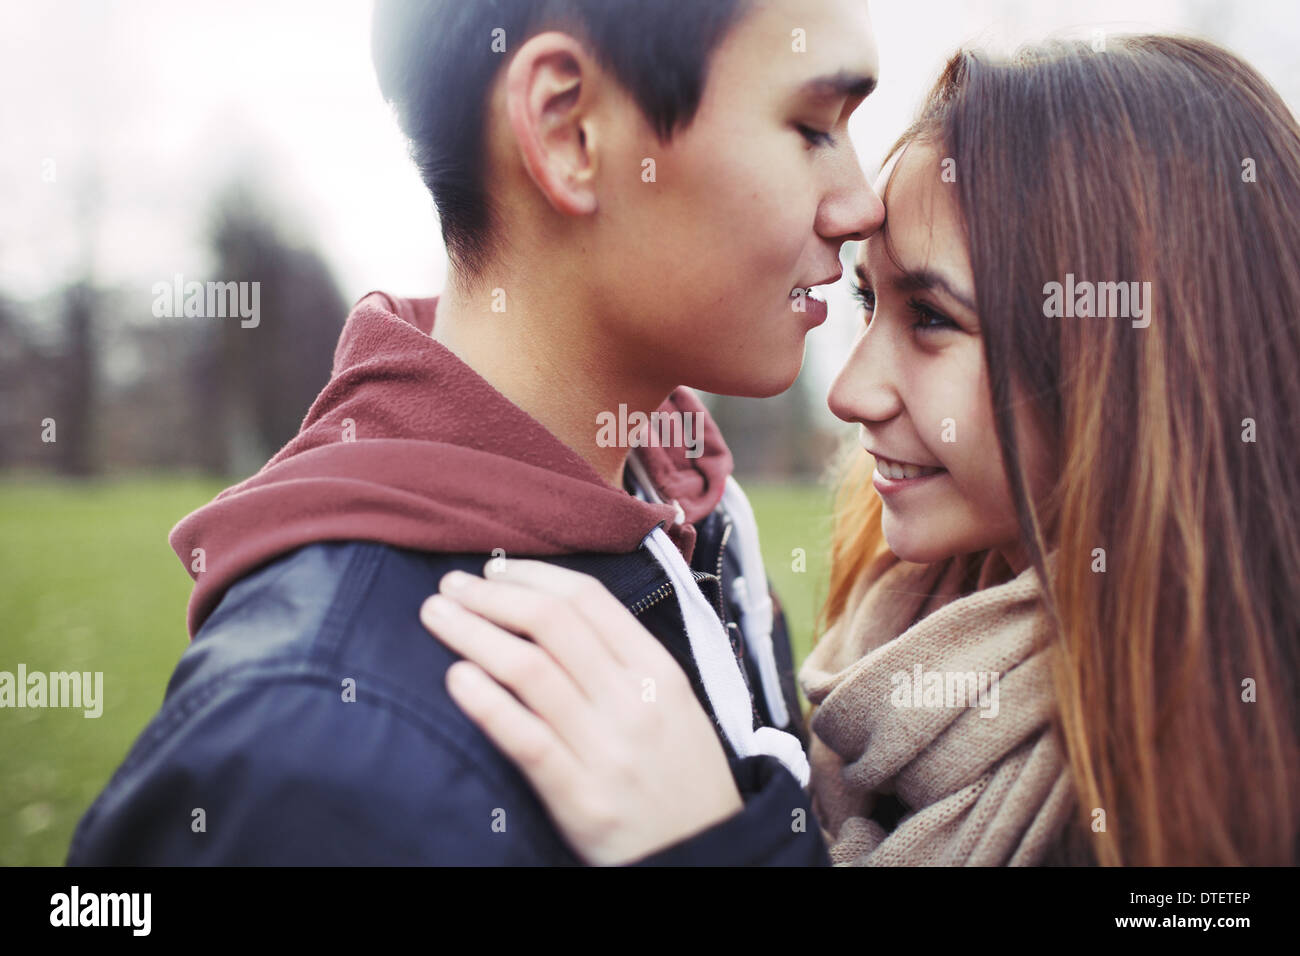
column 795, row 517
column 90, row 584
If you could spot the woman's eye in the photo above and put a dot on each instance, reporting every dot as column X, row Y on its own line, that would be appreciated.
column 816, row 137
column 866, row 298
column 928, row 320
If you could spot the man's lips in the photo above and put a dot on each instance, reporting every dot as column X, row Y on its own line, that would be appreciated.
column 807, row 288
column 807, row 302
column 804, row 302
column 830, row 279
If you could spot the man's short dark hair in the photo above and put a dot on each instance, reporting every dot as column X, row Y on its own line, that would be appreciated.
column 435, row 62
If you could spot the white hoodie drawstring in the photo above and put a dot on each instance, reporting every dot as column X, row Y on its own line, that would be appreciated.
column 719, row 670
column 756, row 603
column 724, row 685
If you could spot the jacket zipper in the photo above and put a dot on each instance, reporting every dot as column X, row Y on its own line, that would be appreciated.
column 652, row 599
column 722, row 553
column 661, row 592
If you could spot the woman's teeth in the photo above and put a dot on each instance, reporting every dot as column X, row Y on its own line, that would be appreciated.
column 898, row 470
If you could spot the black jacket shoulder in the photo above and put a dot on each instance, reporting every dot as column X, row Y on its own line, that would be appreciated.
column 308, row 724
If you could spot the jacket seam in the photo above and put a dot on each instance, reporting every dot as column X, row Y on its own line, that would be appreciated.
column 337, row 621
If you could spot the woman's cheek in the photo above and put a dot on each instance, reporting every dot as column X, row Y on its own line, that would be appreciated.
column 986, row 493
column 951, row 417
column 961, row 418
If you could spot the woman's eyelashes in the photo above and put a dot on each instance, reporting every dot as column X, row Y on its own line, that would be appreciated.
column 865, row 296
column 927, row 318
column 815, row 137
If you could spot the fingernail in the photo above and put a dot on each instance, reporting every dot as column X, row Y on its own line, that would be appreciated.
column 460, row 676
column 435, row 608
column 454, row 582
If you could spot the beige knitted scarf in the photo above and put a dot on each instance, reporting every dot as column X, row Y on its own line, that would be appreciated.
column 944, row 699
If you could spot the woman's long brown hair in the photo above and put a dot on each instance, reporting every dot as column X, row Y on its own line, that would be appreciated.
column 1167, row 160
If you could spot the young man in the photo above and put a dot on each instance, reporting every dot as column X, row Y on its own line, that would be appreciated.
column 635, row 196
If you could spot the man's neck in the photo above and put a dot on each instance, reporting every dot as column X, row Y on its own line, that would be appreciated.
column 550, row 360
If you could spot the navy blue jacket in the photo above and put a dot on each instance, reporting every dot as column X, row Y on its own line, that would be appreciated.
column 256, row 757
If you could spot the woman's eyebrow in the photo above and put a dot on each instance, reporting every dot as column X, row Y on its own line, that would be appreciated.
column 917, row 280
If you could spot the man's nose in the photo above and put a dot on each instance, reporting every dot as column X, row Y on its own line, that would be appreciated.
column 851, row 211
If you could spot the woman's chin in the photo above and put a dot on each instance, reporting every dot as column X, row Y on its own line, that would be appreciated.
column 914, row 546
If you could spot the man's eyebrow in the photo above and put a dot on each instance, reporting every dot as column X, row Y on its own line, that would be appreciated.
column 917, row 280
column 844, row 83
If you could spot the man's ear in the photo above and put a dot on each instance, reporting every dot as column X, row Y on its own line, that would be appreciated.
column 549, row 96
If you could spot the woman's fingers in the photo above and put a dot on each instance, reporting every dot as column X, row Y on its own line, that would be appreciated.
column 622, row 769
column 554, row 622
column 524, row 668
column 530, row 743
column 621, row 633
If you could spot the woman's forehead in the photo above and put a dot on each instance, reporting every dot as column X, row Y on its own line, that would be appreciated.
column 923, row 226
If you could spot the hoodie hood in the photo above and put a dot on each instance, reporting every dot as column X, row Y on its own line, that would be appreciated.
column 409, row 446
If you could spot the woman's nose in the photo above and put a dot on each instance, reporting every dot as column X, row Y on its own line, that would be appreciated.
column 865, row 389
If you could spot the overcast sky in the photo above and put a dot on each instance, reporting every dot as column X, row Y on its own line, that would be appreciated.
column 141, row 107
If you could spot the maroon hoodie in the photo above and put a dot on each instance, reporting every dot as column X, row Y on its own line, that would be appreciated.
column 409, row 446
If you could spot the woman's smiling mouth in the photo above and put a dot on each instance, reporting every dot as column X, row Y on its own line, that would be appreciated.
column 892, row 475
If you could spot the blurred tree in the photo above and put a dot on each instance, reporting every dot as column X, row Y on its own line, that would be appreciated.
column 256, row 382
column 773, row 438
column 77, row 392
column 19, row 409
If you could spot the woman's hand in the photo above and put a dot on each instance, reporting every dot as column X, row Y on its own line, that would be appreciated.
column 609, row 732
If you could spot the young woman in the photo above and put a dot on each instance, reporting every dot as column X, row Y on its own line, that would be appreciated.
column 1077, row 387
